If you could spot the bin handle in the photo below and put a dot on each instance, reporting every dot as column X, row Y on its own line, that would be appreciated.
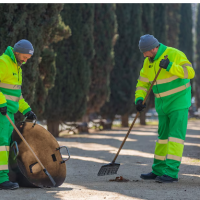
column 15, row 150
column 64, row 160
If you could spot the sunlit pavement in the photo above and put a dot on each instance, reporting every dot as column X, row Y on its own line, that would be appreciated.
column 90, row 151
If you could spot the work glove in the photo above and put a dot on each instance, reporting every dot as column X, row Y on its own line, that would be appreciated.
column 3, row 110
column 140, row 106
column 164, row 63
column 31, row 115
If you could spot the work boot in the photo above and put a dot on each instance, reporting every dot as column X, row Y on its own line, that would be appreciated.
column 8, row 185
column 148, row 176
column 166, row 179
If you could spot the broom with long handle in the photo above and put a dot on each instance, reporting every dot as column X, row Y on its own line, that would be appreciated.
column 113, row 167
column 23, row 139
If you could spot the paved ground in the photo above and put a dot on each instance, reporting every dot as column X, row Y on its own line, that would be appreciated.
column 90, row 151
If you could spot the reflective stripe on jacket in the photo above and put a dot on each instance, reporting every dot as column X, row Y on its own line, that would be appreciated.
column 172, row 89
column 10, row 84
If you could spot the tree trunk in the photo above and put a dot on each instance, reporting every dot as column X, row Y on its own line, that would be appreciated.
column 83, row 128
column 142, row 118
column 106, row 124
column 53, row 127
column 124, row 119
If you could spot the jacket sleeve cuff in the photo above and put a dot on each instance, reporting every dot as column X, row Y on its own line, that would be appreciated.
column 3, row 105
column 169, row 66
column 27, row 110
column 139, row 98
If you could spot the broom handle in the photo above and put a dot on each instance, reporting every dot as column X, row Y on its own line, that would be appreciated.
column 137, row 115
column 21, row 136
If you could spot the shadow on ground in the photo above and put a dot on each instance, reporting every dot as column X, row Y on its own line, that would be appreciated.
column 90, row 151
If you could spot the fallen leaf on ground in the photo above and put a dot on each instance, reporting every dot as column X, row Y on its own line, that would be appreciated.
column 120, row 179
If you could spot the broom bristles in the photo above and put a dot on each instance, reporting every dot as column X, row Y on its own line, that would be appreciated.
column 108, row 169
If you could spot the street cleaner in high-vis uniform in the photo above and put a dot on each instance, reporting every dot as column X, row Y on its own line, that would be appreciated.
column 172, row 92
column 11, row 100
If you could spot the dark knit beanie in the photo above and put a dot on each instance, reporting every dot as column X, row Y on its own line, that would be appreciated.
column 147, row 42
column 24, row 46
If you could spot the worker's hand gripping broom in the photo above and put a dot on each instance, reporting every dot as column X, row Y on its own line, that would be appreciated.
column 113, row 167
column 23, row 139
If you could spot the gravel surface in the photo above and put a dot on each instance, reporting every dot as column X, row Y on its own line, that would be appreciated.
column 90, row 151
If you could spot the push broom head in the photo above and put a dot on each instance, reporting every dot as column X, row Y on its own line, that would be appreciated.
column 108, row 169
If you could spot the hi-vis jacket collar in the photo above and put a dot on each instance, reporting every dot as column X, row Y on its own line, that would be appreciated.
column 9, row 52
column 160, row 51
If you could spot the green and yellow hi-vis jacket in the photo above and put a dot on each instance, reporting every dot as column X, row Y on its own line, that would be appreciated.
column 172, row 89
column 10, row 84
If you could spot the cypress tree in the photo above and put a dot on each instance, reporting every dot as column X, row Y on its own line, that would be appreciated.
column 34, row 22
column 147, row 28
column 148, row 18
column 47, row 73
column 160, row 22
column 47, row 67
column 197, row 75
column 185, row 36
column 173, row 23
column 124, row 75
column 67, row 99
column 102, row 63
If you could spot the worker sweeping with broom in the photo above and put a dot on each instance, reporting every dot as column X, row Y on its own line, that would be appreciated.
column 172, row 92
column 11, row 100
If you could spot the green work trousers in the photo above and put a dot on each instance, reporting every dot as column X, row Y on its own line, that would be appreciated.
column 6, row 130
column 169, row 146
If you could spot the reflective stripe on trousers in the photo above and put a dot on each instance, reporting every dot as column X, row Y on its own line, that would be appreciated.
column 4, row 155
column 169, row 147
column 163, row 150
column 6, row 130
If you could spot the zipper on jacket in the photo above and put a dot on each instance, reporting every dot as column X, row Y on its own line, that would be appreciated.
column 18, row 73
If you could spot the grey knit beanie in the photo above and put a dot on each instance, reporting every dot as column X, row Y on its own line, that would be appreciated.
column 147, row 42
column 24, row 46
